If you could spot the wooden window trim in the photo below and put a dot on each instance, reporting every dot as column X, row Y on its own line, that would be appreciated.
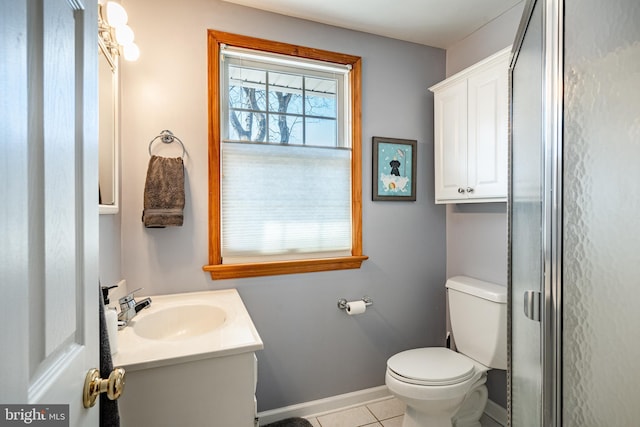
column 230, row 271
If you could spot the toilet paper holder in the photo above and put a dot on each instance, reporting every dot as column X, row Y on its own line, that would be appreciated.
column 342, row 302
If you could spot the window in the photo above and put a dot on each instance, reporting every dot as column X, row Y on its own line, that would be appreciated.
column 284, row 158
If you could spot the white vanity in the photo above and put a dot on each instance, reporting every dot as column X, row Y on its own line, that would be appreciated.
column 190, row 361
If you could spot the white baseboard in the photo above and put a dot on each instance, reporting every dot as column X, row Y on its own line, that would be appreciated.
column 319, row 407
column 497, row 412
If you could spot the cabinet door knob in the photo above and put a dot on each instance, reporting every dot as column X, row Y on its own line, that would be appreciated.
column 469, row 190
column 461, row 190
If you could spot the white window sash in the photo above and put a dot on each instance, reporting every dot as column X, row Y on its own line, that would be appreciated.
column 270, row 62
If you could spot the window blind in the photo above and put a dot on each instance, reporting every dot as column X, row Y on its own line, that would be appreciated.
column 284, row 202
column 283, row 60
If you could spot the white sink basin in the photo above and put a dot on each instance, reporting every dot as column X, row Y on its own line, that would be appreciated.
column 180, row 322
column 187, row 327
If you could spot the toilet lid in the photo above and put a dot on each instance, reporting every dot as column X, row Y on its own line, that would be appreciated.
column 431, row 366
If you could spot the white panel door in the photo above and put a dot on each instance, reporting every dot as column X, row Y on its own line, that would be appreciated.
column 450, row 144
column 487, row 132
column 49, row 220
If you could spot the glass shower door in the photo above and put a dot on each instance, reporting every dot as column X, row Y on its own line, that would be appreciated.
column 574, row 209
column 526, row 220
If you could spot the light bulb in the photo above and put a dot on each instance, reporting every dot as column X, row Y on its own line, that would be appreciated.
column 131, row 52
column 124, row 35
column 116, row 15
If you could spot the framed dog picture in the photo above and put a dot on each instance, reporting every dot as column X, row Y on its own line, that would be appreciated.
column 394, row 169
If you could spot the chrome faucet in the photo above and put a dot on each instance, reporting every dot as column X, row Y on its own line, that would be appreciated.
column 129, row 307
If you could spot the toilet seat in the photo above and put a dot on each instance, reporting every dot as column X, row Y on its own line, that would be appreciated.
column 432, row 366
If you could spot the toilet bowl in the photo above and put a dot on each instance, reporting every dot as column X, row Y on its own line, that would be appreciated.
column 444, row 388
column 434, row 383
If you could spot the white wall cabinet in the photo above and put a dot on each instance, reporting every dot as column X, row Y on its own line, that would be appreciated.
column 471, row 133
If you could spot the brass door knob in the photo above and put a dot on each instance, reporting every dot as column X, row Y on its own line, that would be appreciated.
column 94, row 385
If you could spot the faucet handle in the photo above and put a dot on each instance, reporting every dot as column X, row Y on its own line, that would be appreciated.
column 128, row 301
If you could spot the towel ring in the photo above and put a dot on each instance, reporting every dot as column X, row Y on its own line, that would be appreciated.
column 168, row 137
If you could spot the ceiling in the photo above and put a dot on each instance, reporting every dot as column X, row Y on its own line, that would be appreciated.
column 438, row 23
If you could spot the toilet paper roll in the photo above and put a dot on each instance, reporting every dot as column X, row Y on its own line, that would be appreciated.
column 356, row 307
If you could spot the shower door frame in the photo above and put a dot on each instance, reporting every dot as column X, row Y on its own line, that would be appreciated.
column 551, row 229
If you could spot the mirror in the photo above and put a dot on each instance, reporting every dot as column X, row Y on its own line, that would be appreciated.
column 108, row 136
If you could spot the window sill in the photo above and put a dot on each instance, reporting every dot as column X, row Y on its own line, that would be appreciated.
column 234, row 271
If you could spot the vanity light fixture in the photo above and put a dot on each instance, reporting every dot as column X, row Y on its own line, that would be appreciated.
column 116, row 14
column 114, row 32
column 124, row 35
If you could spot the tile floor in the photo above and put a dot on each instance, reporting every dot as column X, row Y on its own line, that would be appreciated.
column 386, row 413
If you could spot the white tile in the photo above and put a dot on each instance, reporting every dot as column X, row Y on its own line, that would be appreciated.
column 393, row 422
column 388, row 408
column 354, row 417
column 389, row 412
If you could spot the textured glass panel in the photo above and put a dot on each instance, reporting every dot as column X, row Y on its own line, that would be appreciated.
column 526, row 242
column 601, row 266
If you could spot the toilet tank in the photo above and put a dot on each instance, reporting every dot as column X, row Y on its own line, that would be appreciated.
column 478, row 313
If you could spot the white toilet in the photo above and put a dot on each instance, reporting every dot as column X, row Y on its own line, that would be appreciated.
column 440, row 387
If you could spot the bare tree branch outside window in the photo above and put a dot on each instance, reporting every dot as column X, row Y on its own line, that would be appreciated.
column 259, row 112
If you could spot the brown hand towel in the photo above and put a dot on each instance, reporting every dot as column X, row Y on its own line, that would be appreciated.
column 164, row 193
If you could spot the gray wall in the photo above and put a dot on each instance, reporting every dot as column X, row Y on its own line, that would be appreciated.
column 312, row 349
column 477, row 233
column 485, row 41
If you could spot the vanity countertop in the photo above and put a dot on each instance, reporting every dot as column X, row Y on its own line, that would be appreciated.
column 235, row 334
